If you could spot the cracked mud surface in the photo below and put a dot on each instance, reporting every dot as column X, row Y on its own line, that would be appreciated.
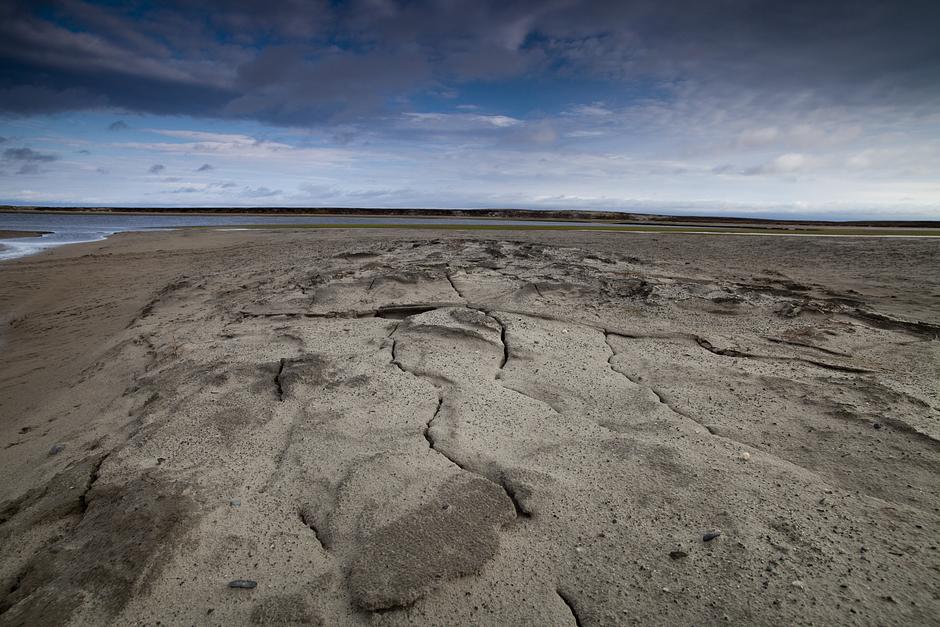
column 406, row 428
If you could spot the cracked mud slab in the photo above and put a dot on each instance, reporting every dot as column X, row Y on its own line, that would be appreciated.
column 538, row 428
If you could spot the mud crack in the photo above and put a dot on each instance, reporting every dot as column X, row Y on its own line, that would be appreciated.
column 450, row 280
column 430, row 423
column 570, row 605
column 307, row 518
column 502, row 338
column 278, row 385
column 500, row 481
column 521, row 510
column 828, row 351
column 660, row 397
column 92, row 479
column 913, row 327
column 731, row 352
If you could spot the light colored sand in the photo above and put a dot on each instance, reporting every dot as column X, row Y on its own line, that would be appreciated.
column 400, row 426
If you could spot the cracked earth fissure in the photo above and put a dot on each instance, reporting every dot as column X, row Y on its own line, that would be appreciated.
column 278, row 384
column 663, row 398
column 827, row 351
column 432, row 442
column 308, row 522
column 502, row 337
column 658, row 394
column 430, row 423
column 92, row 479
column 394, row 351
column 731, row 352
column 570, row 605
column 453, row 285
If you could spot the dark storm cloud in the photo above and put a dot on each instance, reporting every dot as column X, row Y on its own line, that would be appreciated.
column 310, row 62
column 27, row 160
column 157, row 168
column 28, row 168
column 205, row 167
column 28, row 154
column 119, row 125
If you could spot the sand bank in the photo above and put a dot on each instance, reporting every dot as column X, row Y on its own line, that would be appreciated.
column 16, row 234
column 470, row 427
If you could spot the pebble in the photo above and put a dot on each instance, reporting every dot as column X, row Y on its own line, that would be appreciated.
column 235, row 503
column 678, row 555
column 877, row 425
column 56, row 449
column 711, row 535
column 745, row 456
column 243, row 583
column 797, row 584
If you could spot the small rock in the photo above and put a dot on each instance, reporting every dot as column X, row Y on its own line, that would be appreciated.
column 56, row 449
column 711, row 535
column 797, row 584
column 235, row 503
column 678, row 555
column 877, row 425
column 745, row 456
column 243, row 583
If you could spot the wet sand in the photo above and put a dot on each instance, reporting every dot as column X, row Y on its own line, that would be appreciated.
column 394, row 427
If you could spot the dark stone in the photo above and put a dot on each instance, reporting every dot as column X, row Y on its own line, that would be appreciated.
column 711, row 535
column 678, row 555
column 243, row 583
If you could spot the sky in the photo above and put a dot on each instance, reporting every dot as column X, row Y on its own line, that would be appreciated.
column 740, row 107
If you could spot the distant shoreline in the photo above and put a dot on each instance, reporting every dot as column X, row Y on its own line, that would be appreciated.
column 553, row 215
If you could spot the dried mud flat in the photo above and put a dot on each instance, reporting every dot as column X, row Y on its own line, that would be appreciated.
column 422, row 428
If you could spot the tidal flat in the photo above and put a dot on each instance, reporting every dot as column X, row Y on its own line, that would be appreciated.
column 415, row 426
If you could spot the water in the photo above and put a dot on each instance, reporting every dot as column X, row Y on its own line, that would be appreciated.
column 74, row 228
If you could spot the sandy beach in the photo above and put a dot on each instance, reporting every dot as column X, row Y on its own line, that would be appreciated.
column 414, row 427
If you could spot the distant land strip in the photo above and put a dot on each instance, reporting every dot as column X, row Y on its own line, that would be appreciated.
column 552, row 215
column 652, row 228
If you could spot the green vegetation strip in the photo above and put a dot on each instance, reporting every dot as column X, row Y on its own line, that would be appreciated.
column 598, row 227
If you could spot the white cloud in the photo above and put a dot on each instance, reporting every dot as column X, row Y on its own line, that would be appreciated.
column 459, row 121
column 785, row 164
column 759, row 136
column 238, row 146
column 585, row 133
column 595, row 109
column 207, row 137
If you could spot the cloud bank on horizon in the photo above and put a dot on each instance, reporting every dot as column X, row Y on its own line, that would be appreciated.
column 824, row 108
